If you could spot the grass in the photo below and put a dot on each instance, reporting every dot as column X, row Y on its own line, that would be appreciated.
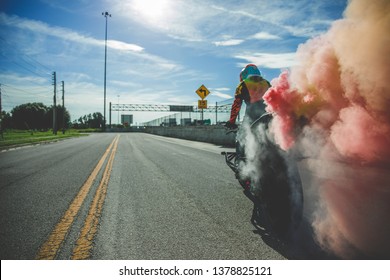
column 14, row 138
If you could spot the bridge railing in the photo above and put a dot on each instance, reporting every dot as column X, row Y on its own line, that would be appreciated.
column 183, row 115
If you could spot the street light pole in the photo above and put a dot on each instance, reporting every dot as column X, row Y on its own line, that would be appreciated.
column 105, row 14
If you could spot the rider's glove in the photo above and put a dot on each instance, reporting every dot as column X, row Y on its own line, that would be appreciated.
column 230, row 125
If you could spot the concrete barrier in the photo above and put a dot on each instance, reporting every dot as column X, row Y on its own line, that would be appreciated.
column 210, row 134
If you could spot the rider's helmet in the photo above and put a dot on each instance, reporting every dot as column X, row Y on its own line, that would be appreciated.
column 249, row 71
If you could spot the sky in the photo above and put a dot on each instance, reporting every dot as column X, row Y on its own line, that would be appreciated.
column 158, row 51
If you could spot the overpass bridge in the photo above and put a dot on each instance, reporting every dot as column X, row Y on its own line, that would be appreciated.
column 221, row 108
column 169, row 108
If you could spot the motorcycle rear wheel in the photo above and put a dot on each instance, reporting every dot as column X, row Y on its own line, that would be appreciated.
column 279, row 187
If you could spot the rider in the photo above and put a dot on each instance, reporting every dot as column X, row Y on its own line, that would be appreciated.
column 251, row 90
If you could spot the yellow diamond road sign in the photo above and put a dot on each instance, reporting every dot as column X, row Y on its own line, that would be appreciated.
column 202, row 92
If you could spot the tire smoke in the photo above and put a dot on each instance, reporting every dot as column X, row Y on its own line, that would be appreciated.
column 333, row 107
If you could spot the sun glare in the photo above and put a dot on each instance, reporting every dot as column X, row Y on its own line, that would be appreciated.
column 152, row 10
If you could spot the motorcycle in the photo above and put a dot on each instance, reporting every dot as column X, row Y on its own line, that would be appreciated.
column 276, row 184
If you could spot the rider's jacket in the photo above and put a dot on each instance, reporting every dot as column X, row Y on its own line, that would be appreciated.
column 251, row 92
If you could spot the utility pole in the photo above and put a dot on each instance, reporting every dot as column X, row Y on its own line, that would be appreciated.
column 0, row 101
column 105, row 14
column 1, row 117
column 63, row 107
column 54, row 104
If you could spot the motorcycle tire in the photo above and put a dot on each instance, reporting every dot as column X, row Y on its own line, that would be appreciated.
column 280, row 188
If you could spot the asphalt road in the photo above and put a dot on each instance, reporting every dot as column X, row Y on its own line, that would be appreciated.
column 127, row 196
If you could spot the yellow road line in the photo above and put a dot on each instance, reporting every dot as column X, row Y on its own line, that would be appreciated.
column 84, row 244
column 49, row 249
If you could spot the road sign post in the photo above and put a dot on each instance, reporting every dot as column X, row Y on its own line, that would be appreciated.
column 202, row 91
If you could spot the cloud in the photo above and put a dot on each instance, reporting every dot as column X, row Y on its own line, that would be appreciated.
column 302, row 18
column 220, row 94
column 264, row 36
column 269, row 60
column 231, row 42
column 236, row 12
column 234, row 42
column 63, row 33
column 221, row 89
column 122, row 46
column 179, row 20
column 14, row 78
column 163, row 65
column 258, row 36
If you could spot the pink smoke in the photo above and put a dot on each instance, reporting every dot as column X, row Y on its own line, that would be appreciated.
column 341, row 89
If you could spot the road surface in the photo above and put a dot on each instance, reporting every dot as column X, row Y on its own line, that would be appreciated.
column 127, row 196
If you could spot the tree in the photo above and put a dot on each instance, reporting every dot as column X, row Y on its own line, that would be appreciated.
column 37, row 116
column 30, row 116
column 97, row 120
column 94, row 120
column 6, row 120
column 60, row 118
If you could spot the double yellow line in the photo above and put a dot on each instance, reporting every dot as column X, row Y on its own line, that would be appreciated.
column 52, row 245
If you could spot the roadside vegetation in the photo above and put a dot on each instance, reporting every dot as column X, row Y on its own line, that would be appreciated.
column 32, row 123
column 13, row 138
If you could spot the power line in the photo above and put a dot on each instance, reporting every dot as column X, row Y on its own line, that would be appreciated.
column 44, row 75
column 31, row 64
column 23, row 90
column 29, row 70
column 25, row 55
column 15, row 98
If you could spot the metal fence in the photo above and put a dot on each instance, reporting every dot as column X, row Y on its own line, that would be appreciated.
column 213, row 115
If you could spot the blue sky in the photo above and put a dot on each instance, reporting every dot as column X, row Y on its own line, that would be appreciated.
column 159, row 51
